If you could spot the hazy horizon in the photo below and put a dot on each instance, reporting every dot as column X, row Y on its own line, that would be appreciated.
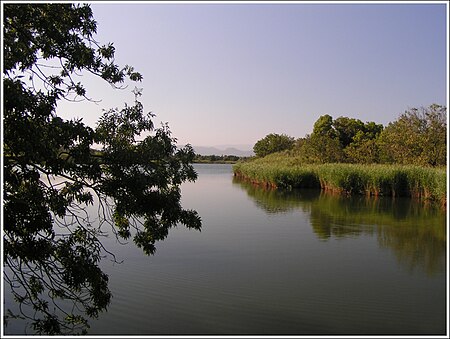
column 229, row 74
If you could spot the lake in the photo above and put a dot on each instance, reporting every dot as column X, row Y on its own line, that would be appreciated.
column 289, row 263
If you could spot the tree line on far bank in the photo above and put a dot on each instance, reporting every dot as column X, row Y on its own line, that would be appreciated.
column 417, row 137
column 225, row 159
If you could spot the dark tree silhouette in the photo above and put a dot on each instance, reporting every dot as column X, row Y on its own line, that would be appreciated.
column 53, row 177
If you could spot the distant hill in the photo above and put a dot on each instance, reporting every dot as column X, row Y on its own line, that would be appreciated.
column 202, row 150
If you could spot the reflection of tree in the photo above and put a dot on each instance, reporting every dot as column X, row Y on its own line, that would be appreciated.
column 275, row 200
column 416, row 234
column 330, row 217
column 415, row 246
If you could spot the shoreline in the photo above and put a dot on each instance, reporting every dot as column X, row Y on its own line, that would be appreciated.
column 425, row 184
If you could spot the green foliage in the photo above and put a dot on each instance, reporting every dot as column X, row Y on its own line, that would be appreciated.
column 284, row 171
column 363, row 149
column 272, row 143
column 346, row 129
column 218, row 159
column 320, row 149
column 340, row 140
column 52, row 245
column 324, row 126
column 417, row 137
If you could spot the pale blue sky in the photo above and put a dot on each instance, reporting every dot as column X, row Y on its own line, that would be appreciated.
column 229, row 74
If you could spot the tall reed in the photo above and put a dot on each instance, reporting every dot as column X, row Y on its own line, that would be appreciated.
column 278, row 170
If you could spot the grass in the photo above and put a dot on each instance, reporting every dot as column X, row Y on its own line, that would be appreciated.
column 280, row 170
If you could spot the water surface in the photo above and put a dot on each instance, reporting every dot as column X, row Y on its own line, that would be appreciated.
column 274, row 262
column 277, row 262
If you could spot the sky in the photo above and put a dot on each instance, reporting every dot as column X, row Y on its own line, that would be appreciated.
column 229, row 74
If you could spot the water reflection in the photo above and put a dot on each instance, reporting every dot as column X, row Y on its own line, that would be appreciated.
column 415, row 233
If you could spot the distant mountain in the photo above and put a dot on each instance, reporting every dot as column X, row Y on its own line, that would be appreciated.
column 202, row 150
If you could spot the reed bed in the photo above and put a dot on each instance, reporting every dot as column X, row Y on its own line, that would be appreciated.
column 283, row 171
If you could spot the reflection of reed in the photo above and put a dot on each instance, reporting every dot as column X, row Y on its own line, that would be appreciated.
column 273, row 200
column 282, row 171
column 414, row 232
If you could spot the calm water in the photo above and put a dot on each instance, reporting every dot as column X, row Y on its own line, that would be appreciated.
column 272, row 262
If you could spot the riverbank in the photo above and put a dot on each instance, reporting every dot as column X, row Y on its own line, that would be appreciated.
column 221, row 162
column 280, row 171
column 218, row 159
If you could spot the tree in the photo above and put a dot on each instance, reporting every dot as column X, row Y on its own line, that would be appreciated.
column 272, row 143
column 52, row 175
column 322, row 146
column 372, row 130
column 340, row 140
column 417, row 137
column 321, row 149
column 362, row 150
column 363, row 147
column 346, row 129
column 324, row 126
